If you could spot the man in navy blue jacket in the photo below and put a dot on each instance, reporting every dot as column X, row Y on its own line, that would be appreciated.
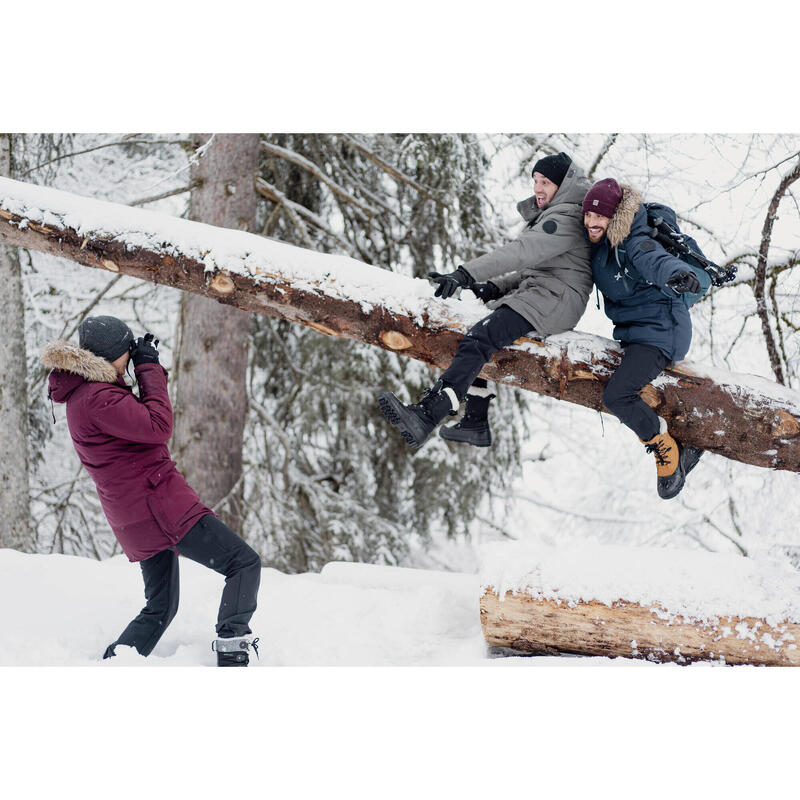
column 642, row 286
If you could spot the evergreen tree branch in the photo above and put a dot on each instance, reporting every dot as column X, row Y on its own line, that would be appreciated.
column 301, row 161
column 390, row 169
column 120, row 143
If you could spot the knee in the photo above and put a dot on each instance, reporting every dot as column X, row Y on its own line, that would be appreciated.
column 252, row 560
column 165, row 610
column 245, row 560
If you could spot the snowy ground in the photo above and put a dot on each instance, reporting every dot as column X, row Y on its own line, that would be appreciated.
column 347, row 615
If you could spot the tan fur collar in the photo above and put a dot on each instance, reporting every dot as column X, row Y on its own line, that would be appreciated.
column 68, row 357
column 619, row 227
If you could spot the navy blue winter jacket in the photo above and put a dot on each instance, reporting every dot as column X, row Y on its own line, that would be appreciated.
column 631, row 270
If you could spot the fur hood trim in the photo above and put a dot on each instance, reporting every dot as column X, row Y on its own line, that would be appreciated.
column 67, row 357
column 620, row 226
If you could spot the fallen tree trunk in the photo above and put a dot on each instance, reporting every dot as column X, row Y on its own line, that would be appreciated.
column 535, row 626
column 742, row 417
column 656, row 604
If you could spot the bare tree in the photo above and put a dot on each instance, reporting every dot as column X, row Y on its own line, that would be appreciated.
column 211, row 363
column 760, row 277
column 14, row 480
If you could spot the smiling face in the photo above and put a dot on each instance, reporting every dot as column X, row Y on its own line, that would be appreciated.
column 596, row 226
column 544, row 189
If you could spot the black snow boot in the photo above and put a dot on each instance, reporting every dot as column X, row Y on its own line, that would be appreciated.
column 689, row 457
column 416, row 422
column 474, row 425
column 235, row 651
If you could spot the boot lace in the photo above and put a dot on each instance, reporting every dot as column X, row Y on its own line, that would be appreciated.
column 661, row 451
column 254, row 645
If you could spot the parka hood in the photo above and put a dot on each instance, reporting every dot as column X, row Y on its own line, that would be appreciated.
column 72, row 366
column 619, row 228
column 572, row 190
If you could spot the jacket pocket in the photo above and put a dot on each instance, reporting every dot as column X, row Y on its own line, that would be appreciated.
column 164, row 504
column 541, row 299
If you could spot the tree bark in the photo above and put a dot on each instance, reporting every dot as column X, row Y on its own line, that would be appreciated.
column 211, row 366
column 14, row 480
column 744, row 418
column 536, row 626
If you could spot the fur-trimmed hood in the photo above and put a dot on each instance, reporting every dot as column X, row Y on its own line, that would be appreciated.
column 619, row 228
column 64, row 356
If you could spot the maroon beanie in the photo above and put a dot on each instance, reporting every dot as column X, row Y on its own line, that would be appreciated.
column 603, row 198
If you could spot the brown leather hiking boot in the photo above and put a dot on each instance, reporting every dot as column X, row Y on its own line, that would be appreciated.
column 671, row 475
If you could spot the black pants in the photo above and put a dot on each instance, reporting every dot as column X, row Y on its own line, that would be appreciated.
column 502, row 327
column 214, row 544
column 640, row 365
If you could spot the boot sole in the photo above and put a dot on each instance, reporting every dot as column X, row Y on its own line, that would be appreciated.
column 456, row 435
column 692, row 457
column 673, row 492
column 411, row 428
column 685, row 466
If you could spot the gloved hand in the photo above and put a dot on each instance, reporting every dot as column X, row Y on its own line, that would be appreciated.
column 685, row 281
column 448, row 284
column 143, row 350
column 486, row 291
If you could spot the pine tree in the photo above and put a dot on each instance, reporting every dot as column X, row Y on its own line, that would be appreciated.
column 329, row 479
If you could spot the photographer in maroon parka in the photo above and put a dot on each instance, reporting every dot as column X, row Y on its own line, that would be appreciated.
column 121, row 439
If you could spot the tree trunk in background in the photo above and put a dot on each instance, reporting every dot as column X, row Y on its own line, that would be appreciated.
column 211, row 363
column 14, row 498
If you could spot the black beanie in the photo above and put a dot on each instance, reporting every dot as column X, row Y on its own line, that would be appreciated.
column 107, row 337
column 553, row 167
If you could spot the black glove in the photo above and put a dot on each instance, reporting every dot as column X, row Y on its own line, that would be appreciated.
column 486, row 291
column 143, row 350
column 447, row 285
column 685, row 281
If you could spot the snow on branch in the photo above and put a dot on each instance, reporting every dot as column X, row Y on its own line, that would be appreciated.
column 742, row 417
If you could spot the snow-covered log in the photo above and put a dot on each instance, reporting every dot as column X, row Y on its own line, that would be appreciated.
column 743, row 417
column 657, row 604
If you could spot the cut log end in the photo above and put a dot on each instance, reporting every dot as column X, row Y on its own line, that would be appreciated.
column 222, row 284
column 395, row 340
column 785, row 424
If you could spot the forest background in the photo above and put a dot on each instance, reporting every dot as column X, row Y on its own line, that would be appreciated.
column 277, row 424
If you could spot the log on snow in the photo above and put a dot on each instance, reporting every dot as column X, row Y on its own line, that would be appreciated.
column 744, row 418
column 662, row 604
column 539, row 626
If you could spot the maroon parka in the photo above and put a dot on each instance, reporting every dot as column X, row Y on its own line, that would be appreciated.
column 122, row 439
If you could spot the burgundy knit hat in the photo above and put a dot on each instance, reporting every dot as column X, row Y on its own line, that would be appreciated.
column 603, row 198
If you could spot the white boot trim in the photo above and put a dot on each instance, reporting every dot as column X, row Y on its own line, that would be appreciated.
column 454, row 402
column 479, row 391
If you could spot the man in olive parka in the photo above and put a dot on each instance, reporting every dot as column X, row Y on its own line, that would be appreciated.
column 538, row 284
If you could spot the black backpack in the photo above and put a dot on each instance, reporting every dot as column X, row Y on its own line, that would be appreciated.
column 664, row 229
